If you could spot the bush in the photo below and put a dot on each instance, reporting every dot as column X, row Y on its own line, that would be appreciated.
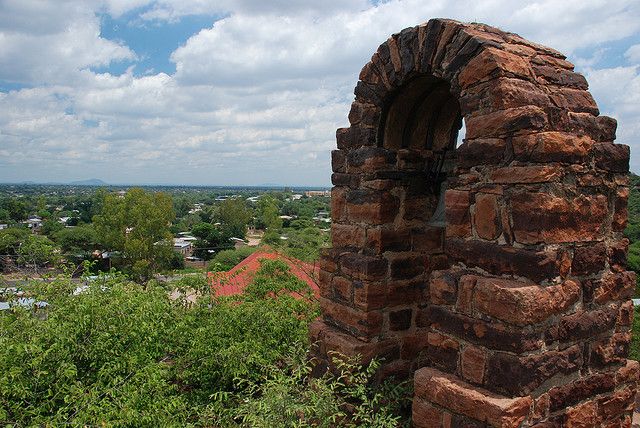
column 120, row 354
column 227, row 259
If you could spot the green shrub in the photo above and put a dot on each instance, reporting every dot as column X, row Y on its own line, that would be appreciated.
column 227, row 259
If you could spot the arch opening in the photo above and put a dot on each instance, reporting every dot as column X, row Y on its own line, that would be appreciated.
column 424, row 117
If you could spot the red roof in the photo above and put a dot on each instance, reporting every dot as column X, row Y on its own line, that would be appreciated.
column 236, row 280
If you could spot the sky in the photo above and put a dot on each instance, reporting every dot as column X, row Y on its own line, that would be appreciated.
column 246, row 92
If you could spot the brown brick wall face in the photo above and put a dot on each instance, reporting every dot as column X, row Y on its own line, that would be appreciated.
column 514, row 311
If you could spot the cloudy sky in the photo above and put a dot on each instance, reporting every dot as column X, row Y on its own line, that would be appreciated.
column 244, row 92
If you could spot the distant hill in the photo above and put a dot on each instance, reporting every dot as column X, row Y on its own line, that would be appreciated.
column 90, row 182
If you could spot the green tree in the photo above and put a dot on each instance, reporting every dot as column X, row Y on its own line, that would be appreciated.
column 80, row 239
column 268, row 213
column 209, row 237
column 37, row 251
column 137, row 225
column 234, row 215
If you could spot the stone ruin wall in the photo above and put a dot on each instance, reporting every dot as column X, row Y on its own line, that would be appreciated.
column 516, row 312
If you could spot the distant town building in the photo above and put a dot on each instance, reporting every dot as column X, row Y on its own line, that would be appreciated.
column 183, row 246
column 316, row 193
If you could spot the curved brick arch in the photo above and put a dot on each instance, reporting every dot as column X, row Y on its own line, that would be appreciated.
column 516, row 310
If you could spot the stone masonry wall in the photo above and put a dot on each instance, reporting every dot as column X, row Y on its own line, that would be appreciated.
column 516, row 312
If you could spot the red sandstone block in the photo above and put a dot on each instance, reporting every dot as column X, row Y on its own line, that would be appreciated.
column 625, row 315
column 614, row 286
column 400, row 320
column 364, row 324
column 611, row 157
column 552, row 147
column 413, row 344
column 406, row 266
column 347, row 236
column 336, row 341
column 442, row 288
column 546, row 74
column 500, row 94
column 520, row 375
column 366, row 268
column 620, row 215
column 584, row 415
column 457, row 204
column 502, row 259
column 589, row 259
column 466, row 286
column 570, row 394
column 526, row 174
column 505, row 123
column 617, row 403
column 369, row 296
column 613, row 350
column 473, row 362
column 427, row 239
column 486, row 216
column 576, row 100
column 492, row 62
column 543, row 217
column 520, row 303
column 629, row 373
column 483, row 151
column 401, row 293
column 342, row 289
column 424, row 415
column 385, row 238
column 369, row 159
column 364, row 113
column 371, row 207
column 618, row 255
column 338, row 203
column 453, row 394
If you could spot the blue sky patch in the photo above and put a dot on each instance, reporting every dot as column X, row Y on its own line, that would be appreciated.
column 152, row 41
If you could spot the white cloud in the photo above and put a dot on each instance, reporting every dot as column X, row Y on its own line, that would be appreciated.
column 256, row 97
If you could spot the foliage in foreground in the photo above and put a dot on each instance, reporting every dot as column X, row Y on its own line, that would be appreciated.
column 120, row 354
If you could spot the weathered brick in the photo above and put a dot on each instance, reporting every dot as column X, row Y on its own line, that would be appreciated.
column 582, row 325
column 513, row 375
column 491, row 335
column 442, row 288
column 427, row 239
column 347, row 236
column 492, row 63
column 543, row 217
column 338, row 161
column 611, row 157
column 552, row 147
column 406, row 267
column 499, row 259
column 424, row 415
column 583, row 416
column 457, row 204
column 526, row 174
column 614, row 287
column 363, row 324
column 612, row 350
column 385, row 238
column 447, row 391
column 473, row 362
column 570, row 394
column 371, row 207
column 505, row 122
column 486, row 216
column 400, row 320
column 589, row 259
column 363, row 267
column 522, row 304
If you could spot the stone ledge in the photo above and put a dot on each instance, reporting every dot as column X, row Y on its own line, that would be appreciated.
column 455, row 395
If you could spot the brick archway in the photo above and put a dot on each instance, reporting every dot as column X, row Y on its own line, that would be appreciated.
column 513, row 308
